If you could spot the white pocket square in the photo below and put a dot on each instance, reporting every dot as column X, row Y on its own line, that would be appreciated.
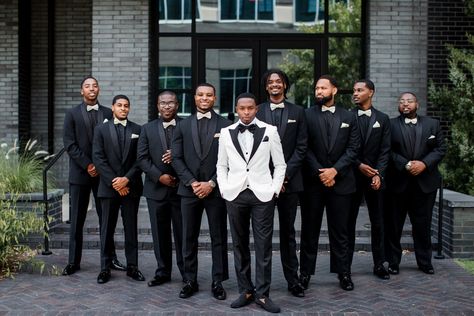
column 217, row 135
column 135, row 136
column 344, row 125
column 291, row 121
column 105, row 121
column 376, row 124
column 432, row 137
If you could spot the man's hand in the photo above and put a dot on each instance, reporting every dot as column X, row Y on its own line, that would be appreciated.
column 119, row 183
column 166, row 158
column 92, row 171
column 168, row 180
column 327, row 176
column 417, row 167
column 376, row 182
column 367, row 170
column 201, row 189
column 124, row 191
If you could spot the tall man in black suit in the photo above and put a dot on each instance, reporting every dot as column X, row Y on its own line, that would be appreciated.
column 369, row 168
column 194, row 148
column 120, row 187
column 249, row 188
column 412, row 179
column 161, row 186
column 79, row 124
column 290, row 122
column 333, row 143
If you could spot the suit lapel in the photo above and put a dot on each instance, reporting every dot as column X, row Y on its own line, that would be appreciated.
column 284, row 121
column 405, row 136
column 372, row 121
column 100, row 115
column 335, row 129
column 322, row 125
column 114, row 138
column 268, row 113
column 128, row 140
column 257, row 139
column 210, row 135
column 233, row 135
column 87, row 122
column 161, row 134
column 195, row 136
column 419, row 135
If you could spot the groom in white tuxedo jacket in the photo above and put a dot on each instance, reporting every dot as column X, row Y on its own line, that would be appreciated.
column 249, row 187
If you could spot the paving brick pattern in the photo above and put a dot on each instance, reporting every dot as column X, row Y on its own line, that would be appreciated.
column 448, row 292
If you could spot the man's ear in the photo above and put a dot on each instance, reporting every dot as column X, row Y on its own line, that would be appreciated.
column 334, row 91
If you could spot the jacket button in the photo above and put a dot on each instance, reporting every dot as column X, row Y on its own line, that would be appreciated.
column 247, row 170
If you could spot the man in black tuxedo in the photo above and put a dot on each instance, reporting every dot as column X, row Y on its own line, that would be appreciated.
column 161, row 187
column 412, row 180
column 369, row 168
column 194, row 148
column 333, row 143
column 79, row 124
column 290, row 122
column 115, row 157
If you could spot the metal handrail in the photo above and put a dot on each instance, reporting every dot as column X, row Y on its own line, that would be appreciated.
column 439, row 254
column 56, row 157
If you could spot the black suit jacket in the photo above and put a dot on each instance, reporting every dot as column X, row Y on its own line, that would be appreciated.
column 78, row 136
column 188, row 160
column 293, row 135
column 339, row 152
column 429, row 148
column 112, row 163
column 375, row 150
column 151, row 147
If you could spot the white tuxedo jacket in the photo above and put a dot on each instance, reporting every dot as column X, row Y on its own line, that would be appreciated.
column 233, row 171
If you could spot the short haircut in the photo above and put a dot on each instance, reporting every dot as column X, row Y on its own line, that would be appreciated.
column 368, row 83
column 408, row 92
column 167, row 92
column 88, row 77
column 331, row 79
column 120, row 96
column 205, row 84
column 245, row 95
column 280, row 74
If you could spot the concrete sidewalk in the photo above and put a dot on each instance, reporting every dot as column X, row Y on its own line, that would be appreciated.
column 449, row 292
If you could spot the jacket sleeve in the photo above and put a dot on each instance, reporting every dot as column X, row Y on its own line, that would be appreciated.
column 144, row 158
column 178, row 162
column 384, row 154
column 70, row 142
column 278, row 160
column 434, row 157
column 294, row 163
column 352, row 147
column 100, row 159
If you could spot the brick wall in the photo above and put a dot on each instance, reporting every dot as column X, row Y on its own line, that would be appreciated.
column 120, row 52
column 9, row 69
column 396, row 55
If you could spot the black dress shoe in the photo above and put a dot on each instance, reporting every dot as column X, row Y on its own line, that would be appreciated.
column 135, row 274
column 159, row 280
column 345, row 281
column 296, row 290
column 244, row 299
column 380, row 272
column 393, row 269
column 304, row 280
column 103, row 277
column 117, row 265
column 267, row 304
column 189, row 288
column 71, row 269
column 427, row 269
column 218, row 290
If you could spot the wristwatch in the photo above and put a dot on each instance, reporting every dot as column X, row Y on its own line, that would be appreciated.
column 408, row 165
column 212, row 184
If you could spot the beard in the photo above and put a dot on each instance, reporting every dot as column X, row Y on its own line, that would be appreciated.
column 323, row 100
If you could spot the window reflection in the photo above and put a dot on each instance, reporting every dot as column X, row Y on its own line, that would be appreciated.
column 232, row 83
column 246, row 9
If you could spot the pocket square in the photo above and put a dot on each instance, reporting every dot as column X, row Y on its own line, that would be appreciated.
column 265, row 139
column 135, row 136
column 432, row 137
column 344, row 125
column 291, row 121
column 376, row 124
column 217, row 135
column 105, row 121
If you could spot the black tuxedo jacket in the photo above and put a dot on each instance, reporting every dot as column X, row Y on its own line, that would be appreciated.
column 151, row 147
column 293, row 136
column 339, row 152
column 429, row 148
column 78, row 137
column 188, row 160
column 375, row 150
column 112, row 163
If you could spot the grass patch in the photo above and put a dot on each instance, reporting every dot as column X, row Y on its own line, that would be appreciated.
column 468, row 265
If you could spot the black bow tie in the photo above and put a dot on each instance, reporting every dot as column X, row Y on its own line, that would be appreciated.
column 251, row 128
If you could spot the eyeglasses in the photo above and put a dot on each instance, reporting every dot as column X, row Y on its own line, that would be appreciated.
column 409, row 101
column 165, row 104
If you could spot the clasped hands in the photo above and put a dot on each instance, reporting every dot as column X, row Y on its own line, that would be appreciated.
column 201, row 189
column 372, row 173
column 120, row 185
column 416, row 167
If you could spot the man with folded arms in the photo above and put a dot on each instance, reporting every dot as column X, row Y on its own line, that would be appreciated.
column 249, row 188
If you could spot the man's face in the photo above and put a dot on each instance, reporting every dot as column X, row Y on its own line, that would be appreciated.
column 120, row 109
column 275, row 85
column 90, row 91
column 246, row 110
column 167, row 106
column 361, row 94
column 408, row 105
column 204, row 99
column 324, row 92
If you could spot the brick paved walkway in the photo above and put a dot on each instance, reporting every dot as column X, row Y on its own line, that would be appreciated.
column 449, row 292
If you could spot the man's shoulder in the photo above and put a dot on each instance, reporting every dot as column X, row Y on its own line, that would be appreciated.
column 133, row 125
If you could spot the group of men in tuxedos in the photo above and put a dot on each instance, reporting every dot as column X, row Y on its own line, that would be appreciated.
column 276, row 154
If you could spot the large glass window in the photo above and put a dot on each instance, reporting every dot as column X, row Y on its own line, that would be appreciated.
column 232, row 83
column 246, row 10
column 309, row 11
